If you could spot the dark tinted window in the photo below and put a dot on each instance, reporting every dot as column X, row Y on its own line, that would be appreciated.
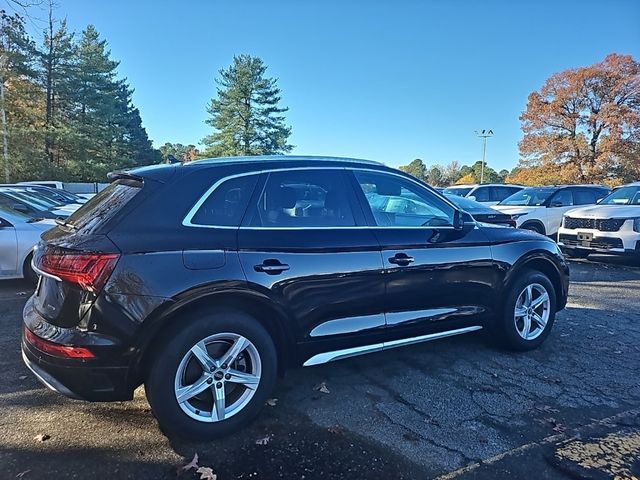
column 228, row 202
column 500, row 193
column 562, row 198
column 481, row 194
column 584, row 196
column 104, row 206
column 304, row 198
column 396, row 201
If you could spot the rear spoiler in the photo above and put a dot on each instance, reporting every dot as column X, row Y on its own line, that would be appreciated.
column 124, row 175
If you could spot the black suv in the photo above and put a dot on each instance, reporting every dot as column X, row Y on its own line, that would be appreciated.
column 205, row 281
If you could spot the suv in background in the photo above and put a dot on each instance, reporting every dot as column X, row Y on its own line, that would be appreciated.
column 540, row 209
column 612, row 226
column 487, row 193
column 203, row 281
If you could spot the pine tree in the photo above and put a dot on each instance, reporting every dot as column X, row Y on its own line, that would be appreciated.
column 245, row 115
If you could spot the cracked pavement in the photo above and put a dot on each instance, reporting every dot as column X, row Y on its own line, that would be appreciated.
column 454, row 408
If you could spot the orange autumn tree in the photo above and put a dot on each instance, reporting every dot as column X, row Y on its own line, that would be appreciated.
column 584, row 125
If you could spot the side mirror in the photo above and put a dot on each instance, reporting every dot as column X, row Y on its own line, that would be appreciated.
column 472, row 197
column 19, row 207
column 556, row 203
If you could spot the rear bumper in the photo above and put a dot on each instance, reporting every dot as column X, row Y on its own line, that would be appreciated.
column 99, row 379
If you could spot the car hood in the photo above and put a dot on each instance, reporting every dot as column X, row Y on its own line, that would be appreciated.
column 514, row 209
column 605, row 211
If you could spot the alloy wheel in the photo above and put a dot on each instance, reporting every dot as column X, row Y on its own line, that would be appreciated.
column 217, row 377
column 532, row 311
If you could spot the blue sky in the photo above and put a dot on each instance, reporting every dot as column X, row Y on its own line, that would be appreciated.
column 385, row 80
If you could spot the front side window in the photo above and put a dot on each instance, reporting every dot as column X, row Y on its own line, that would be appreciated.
column 481, row 194
column 304, row 198
column 398, row 202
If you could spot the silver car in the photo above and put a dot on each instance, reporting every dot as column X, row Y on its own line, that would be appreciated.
column 18, row 235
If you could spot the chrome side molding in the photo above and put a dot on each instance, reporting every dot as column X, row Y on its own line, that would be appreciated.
column 377, row 347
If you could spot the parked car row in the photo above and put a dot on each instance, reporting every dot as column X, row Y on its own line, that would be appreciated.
column 25, row 212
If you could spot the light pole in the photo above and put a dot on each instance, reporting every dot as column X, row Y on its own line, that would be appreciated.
column 484, row 134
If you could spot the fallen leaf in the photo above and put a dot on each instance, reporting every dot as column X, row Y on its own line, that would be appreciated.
column 336, row 430
column 192, row 464
column 263, row 440
column 42, row 437
column 22, row 474
column 272, row 402
column 322, row 388
column 206, row 473
column 22, row 377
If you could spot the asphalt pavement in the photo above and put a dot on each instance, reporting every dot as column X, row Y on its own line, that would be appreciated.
column 455, row 408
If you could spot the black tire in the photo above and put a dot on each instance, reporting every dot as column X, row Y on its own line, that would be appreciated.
column 504, row 328
column 177, row 342
column 534, row 227
column 27, row 271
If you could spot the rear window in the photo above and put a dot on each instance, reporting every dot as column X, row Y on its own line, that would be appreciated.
column 104, row 206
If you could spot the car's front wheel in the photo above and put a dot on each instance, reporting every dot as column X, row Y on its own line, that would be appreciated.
column 211, row 375
column 528, row 313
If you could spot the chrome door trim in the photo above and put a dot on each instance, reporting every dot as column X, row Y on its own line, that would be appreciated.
column 376, row 347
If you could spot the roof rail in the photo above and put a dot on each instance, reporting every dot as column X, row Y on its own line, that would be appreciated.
column 279, row 158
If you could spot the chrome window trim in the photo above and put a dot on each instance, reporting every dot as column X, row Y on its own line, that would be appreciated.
column 188, row 219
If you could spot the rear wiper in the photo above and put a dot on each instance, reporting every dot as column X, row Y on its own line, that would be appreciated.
column 63, row 223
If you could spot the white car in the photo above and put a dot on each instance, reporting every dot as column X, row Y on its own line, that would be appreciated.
column 19, row 233
column 541, row 208
column 612, row 226
column 487, row 193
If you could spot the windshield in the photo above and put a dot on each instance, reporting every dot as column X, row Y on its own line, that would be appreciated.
column 623, row 196
column 459, row 191
column 533, row 197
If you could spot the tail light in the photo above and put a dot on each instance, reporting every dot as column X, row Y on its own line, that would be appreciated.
column 55, row 348
column 90, row 271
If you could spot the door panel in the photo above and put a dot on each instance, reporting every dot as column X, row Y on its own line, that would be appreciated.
column 437, row 278
column 450, row 284
column 326, row 278
column 8, row 250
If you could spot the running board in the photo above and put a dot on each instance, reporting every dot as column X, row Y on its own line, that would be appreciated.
column 378, row 347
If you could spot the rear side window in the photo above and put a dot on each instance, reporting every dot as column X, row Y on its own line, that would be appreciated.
column 104, row 206
column 584, row 196
column 304, row 198
column 227, row 203
column 500, row 193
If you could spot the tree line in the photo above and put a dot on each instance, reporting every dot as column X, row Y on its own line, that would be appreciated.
column 582, row 126
column 64, row 111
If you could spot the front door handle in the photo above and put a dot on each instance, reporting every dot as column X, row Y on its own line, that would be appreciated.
column 401, row 259
column 271, row 267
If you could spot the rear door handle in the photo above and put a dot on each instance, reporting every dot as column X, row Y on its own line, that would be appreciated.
column 401, row 259
column 271, row 267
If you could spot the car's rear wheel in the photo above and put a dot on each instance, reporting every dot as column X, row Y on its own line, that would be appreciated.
column 212, row 374
column 529, row 312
